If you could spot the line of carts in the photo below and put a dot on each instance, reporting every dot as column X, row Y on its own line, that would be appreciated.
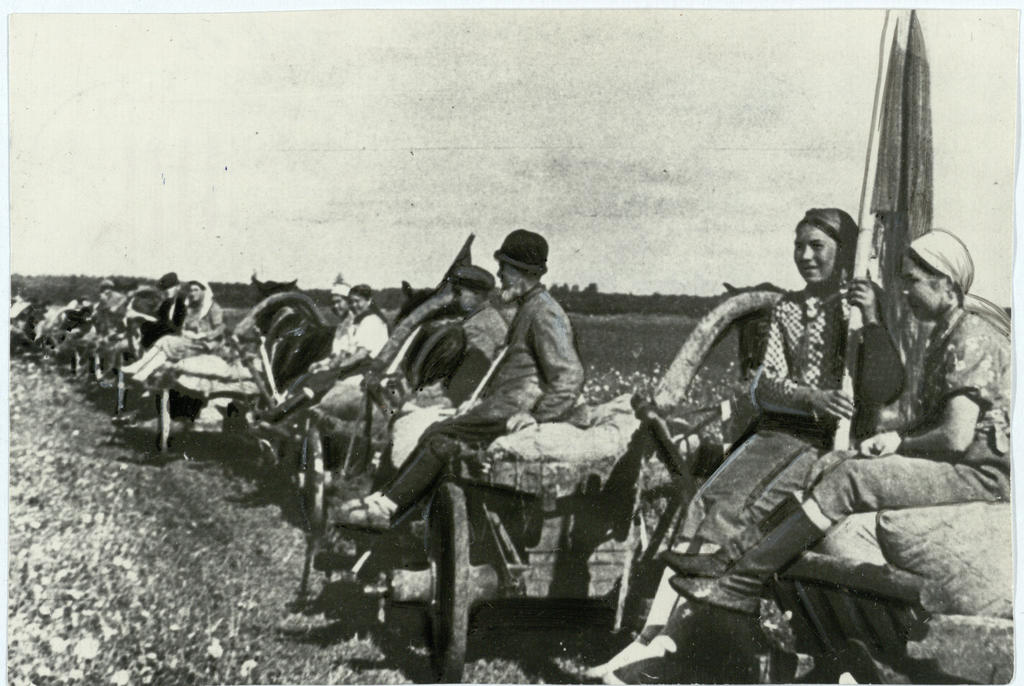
column 499, row 530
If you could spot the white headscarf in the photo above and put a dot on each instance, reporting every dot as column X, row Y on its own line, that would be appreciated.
column 341, row 289
column 207, row 303
column 946, row 254
column 19, row 306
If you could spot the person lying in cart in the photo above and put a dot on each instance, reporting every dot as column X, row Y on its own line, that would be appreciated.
column 538, row 378
column 958, row 452
column 202, row 331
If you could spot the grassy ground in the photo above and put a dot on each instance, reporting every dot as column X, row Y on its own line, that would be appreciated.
column 126, row 567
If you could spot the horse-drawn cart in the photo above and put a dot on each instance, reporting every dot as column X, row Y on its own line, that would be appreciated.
column 497, row 529
column 501, row 528
column 270, row 348
column 558, row 528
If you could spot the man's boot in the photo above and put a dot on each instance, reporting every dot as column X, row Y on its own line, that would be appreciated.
column 740, row 587
column 697, row 564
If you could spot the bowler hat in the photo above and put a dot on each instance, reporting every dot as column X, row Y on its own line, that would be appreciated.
column 524, row 250
column 472, row 277
column 168, row 280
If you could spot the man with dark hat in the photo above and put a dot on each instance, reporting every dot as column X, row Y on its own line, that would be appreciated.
column 484, row 329
column 170, row 316
column 538, row 378
column 458, row 355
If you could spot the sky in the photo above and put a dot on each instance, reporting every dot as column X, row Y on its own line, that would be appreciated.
column 658, row 151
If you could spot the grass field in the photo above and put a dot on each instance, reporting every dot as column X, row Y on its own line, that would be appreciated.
column 621, row 353
column 126, row 568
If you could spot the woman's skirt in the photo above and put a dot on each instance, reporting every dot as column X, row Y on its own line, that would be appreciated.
column 753, row 481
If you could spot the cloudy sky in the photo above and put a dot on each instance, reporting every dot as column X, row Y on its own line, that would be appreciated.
column 658, row 151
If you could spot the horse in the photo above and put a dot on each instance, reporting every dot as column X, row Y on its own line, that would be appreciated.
column 265, row 289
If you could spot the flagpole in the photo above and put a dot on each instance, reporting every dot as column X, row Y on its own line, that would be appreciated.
column 872, row 152
column 843, row 439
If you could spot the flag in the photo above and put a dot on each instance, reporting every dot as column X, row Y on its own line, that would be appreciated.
column 901, row 200
column 463, row 258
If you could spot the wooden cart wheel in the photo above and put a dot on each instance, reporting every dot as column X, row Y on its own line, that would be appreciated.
column 314, row 502
column 164, row 421
column 448, row 550
column 119, row 402
column 680, row 374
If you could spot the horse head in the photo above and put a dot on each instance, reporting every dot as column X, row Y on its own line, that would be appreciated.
column 438, row 301
column 265, row 289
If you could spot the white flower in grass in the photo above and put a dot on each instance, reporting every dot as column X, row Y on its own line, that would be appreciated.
column 58, row 645
column 215, row 650
column 120, row 678
column 87, row 648
column 246, row 668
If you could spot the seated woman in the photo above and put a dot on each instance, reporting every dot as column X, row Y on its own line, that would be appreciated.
column 201, row 332
column 957, row 452
column 358, row 340
column 798, row 392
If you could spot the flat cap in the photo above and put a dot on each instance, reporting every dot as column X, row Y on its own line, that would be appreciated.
column 472, row 277
column 167, row 281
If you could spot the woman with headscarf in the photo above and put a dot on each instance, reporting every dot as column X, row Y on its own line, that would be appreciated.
column 957, row 452
column 798, row 385
column 797, row 390
column 201, row 332
column 363, row 337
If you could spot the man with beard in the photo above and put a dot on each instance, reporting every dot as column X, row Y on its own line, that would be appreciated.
column 537, row 379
